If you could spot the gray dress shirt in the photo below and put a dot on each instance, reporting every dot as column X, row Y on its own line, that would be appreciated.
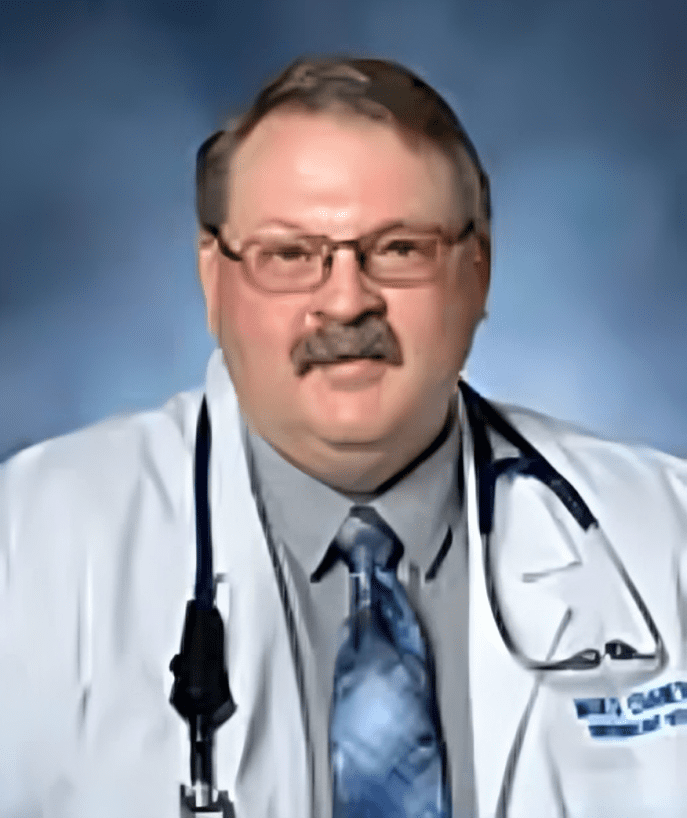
column 424, row 508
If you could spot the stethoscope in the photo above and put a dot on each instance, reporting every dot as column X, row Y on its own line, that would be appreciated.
column 531, row 463
column 201, row 689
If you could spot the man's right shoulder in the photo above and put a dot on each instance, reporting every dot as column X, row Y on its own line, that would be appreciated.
column 99, row 469
column 114, row 439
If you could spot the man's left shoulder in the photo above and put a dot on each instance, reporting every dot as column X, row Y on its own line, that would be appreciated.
column 632, row 480
column 589, row 452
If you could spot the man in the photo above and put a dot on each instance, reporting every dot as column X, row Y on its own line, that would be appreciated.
column 536, row 669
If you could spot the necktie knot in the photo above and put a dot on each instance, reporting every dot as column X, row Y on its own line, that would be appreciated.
column 365, row 540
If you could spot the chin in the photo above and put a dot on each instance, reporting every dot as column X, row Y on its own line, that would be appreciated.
column 352, row 429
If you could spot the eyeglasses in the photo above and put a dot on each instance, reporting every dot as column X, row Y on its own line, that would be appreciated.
column 394, row 256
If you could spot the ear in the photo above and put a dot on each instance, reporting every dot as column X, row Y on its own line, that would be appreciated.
column 208, row 272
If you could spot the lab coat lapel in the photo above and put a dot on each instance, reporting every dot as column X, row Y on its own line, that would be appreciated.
column 261, row 750
column 544, row 566
column 499, row 686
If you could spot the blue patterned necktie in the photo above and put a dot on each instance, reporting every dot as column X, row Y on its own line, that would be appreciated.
column 387, row 756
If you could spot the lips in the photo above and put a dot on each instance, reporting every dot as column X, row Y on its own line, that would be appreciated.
column 353, row 373
column 341, row 361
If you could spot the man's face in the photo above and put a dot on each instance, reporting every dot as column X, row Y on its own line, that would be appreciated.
column 343, row 177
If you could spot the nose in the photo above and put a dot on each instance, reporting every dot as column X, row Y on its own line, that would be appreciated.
column 347, row 292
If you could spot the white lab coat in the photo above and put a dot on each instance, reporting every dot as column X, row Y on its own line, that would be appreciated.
column 97, row 560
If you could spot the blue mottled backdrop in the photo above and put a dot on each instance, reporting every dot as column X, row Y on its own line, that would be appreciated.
column 578, row 107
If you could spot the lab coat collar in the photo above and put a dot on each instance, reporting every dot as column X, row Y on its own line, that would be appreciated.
column 262, row 751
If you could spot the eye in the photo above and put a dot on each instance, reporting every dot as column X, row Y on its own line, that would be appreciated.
column 402, row 247
column 407, row 247
column 288, row 252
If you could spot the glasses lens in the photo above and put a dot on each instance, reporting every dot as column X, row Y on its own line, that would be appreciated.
column 404, row 256
column 282, row 265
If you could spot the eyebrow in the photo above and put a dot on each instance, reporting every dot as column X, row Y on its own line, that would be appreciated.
column 279, row 223
column 381, row 228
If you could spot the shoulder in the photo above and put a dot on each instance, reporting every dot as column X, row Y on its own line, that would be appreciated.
column 593, row 456
column 626, row 486
column 94, row 474
column 121, row 440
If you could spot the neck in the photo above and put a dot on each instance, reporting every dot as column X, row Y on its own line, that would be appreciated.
column 425, row 454
column 363, row 476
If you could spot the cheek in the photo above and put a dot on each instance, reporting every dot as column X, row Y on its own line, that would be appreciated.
column 433, row 328
column 256, row 332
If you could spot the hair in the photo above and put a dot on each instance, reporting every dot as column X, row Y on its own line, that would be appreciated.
column 380, row 90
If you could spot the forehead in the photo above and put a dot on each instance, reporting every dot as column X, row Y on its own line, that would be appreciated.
column 336, row 171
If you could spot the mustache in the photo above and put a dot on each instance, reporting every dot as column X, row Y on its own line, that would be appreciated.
column 372, row 338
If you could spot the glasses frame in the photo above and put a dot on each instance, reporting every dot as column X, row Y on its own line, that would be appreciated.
column 361, row 245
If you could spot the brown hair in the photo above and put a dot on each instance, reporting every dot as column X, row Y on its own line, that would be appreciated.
column 377, row 89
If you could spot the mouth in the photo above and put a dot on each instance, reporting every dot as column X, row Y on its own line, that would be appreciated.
column 342, row 361
column 352, row 374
